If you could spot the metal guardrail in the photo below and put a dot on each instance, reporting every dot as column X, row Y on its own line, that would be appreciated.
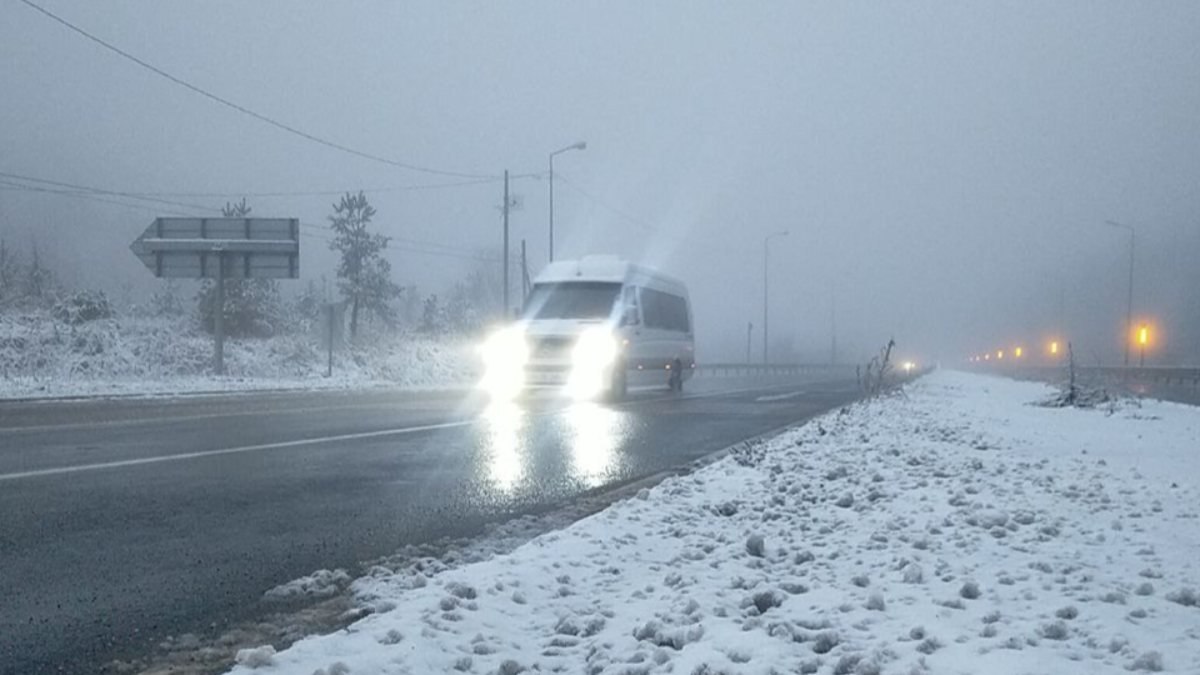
column 1165, row 375
column 1157, row 375
column 770, row 368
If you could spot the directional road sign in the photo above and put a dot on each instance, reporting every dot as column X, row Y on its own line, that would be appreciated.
column 221, row 248
column 208, row 248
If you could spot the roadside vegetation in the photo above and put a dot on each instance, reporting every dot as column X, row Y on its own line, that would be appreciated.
column 57, row 339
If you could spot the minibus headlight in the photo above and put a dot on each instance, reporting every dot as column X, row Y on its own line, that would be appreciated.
column 596, row 349
column 504, row 354
column 504, row 348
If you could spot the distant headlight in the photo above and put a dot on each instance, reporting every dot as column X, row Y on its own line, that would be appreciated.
column 596, row 348
column 504, row 354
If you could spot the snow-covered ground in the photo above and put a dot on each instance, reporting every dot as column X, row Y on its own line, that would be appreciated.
column 44, row 357
column 953, row 529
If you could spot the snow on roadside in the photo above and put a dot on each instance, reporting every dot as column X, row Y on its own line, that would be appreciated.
column 954, row 529
column 41, row 356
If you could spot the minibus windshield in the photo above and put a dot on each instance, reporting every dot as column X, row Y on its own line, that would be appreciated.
column 572, row 300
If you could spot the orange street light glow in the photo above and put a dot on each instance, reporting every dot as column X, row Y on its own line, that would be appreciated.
column 1017, row 352
column 1143, row 335
column 1000, row 354
column 1054, row 347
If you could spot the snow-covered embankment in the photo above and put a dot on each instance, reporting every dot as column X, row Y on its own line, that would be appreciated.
column 954, row 529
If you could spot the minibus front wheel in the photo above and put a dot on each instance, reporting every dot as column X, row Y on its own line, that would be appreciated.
column 619, row 386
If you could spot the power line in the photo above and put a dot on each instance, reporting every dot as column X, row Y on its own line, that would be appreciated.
column 18, row 187
column 116, row 193
column 244, row 110
column 418, row 249
column 607, row 207
column 407, row 243
column 326, row 193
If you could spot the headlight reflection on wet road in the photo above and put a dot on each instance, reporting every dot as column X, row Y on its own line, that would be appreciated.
column 504, row 422
column 595, row 434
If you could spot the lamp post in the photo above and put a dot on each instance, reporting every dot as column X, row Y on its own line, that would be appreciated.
column 1143, row 338
column 766, row 250
column 581, row 145
column 1129, row 305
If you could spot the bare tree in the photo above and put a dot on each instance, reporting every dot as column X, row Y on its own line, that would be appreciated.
column 878, row 368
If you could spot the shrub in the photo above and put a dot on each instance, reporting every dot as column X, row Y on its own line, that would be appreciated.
column 81, row 307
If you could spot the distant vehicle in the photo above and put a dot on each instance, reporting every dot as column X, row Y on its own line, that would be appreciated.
column 594, row 327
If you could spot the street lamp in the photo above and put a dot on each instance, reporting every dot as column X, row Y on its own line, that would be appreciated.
column 581, row 145
column 766, row 240
column 1143, row 338
column 1129, row 306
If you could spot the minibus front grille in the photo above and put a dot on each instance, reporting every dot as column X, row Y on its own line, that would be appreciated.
column 551, row 348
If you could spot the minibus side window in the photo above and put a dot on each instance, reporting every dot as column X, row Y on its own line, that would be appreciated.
column 653, row 309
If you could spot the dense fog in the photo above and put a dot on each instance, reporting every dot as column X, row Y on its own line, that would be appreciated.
column 945, row 170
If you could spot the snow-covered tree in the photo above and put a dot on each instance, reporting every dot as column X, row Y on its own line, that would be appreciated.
column 365, row 275
column 9, row 271
column 252, row 306
column 39, row 280
column 252, row 309
column 433, row 317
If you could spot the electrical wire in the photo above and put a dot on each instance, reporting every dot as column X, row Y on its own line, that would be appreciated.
column 327, row 193
column 607, row 207
column 244, row 110
column 101, row 191
column 18, row 187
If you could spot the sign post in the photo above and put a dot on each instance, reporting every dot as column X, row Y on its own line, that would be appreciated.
column 219, row 319
column 220, row 248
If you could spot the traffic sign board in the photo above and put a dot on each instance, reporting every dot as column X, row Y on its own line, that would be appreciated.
column 221, row 248
column 233, row 248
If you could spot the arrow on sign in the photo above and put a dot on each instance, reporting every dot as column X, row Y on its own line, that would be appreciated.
column 238, row 248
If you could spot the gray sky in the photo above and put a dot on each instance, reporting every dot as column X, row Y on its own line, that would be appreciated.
column 944, row 168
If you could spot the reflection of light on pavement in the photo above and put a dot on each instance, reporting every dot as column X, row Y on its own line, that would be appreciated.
column 595, row 433
column 504, row 422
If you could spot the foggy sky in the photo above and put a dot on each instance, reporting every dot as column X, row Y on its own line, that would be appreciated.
column 945, row 169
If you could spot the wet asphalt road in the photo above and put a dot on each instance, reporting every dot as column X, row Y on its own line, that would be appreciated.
column 127, row 521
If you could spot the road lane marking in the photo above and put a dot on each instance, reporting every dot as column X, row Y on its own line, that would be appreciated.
column 778, row 397
column 135, row 421
column 346, row 437
column 54, row 471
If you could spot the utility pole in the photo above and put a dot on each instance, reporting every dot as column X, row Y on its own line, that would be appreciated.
column 219, row 318
column 581, row 145
column 505, row 254
column 524, row 273
column 832, row 328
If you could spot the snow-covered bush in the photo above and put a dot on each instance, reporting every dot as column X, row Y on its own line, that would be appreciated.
column 252, row 307
column 82, row 307
column 43, row 354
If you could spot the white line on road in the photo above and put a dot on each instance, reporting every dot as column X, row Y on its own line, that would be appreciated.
column 778, row 397
column 232, row 451
column 54, row 471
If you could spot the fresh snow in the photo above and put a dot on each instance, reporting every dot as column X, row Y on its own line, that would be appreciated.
column 41, row 356
column 952, row 528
